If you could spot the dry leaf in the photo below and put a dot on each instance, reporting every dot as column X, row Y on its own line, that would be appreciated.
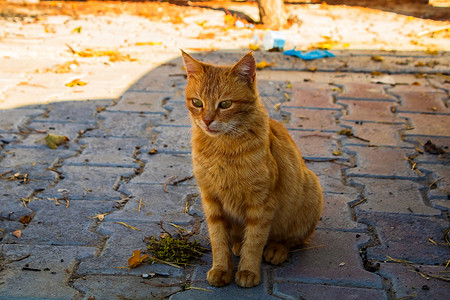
column 277, row 106
column 288, row 97
column 76, row 82
column 126, row 225
column 17, row 234
column 153, row 151
column 336, row 153
column 377, row 58
column 253, row 47
column 77, row 30
column 137, row 259
column 53, row 140
column 263, row 64
column 25, row 219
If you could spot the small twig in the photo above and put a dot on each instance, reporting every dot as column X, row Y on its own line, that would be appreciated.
column 198, row 288
column 169, row 180
column 2, row 265
column 359, row 202
column 425, row 32
column 7, row 172
column 308, row 248
column 140, row 203
column 54, row 170
column 182, row 180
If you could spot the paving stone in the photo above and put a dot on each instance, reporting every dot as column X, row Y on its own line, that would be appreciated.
column 156, row 205
column 336, row 263
column 428, row 125
column 53, row 265
column 159, row 79
column 312, row 95
column 406, row 237
column 316, row 146
column 12, row 120
column 379, row 162
column 336, row 213
column 14, row 191
column 60, row 225
column 109, row 152
column 323, row 120
column 119, row 246
column 330, row 176
column 32, row 170
column 178, row 114
column 231, row 291
column 124, row 124
column 413, row 88
column 160, row 167
column 70, row 130
column 145, row 102
column 27, row 159
column 377, row 134
column 172, row 141
column 311, row 291
column 364, row 91
column 87, row 182
column 420, row 101
column 126, row 287
column 393, row 196
column 369, row 111
column 74, row 111
column 440, row 187
column 407, row 282
column 271, row 88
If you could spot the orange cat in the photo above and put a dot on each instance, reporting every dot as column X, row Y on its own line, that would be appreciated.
column 255, row 187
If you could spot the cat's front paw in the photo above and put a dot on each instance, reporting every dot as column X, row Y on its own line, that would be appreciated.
column 219, row 278
column 245, row 278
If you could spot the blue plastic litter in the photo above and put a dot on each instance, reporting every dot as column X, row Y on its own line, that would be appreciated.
column 315, row 54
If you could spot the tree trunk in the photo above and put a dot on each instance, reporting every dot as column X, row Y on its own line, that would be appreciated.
column 272, row 13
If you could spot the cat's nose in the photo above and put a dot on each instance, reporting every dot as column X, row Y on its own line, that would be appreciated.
column 208, row 121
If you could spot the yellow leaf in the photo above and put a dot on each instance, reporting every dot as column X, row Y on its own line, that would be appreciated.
column 53, row 140
column 377, row 58
column 137, row 259
column 17, row 234
column 126, row 225
column 253, row 47
column 336, row 153
column 288, row 97
column 77, row 30
column 263, row 64
column 148, row 43
column 76, row 82
column 289, row 85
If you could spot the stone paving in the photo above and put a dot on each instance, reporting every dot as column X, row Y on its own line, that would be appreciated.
column 361, row 125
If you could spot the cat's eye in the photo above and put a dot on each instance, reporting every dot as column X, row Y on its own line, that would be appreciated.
column 225, row 104
column 197, row 103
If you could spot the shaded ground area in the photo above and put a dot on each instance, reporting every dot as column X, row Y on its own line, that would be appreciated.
column 374, row 125
column 72, row 217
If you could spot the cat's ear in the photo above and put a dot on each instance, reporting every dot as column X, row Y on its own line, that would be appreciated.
column 246, row 67
column 192, row 65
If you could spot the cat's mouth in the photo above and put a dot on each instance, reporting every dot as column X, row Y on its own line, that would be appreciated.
column 212, row 131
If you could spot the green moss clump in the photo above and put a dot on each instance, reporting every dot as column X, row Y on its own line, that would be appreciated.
column 174, row 251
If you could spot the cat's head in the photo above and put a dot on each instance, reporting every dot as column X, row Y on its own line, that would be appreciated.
column 221, row 99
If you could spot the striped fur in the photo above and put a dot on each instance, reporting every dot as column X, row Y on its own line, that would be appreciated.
column 256, row 191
